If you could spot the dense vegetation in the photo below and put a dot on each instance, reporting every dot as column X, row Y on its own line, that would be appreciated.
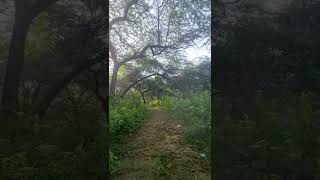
column 191, row 109
column 54, row 107
column 53, row 102
column 72, row 136
column 54, row 71
column 147, row 62
column 275, row 139
column 266, row 105
column 126, row 116
column 194, row 112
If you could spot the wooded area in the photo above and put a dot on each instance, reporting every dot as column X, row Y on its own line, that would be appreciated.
column 54, row 106
column 61, row 119
column 151, row 76
column 55, row 59
column 266, row 75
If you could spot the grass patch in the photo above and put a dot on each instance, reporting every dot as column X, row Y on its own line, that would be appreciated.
column 195, row 113
column 163, row 165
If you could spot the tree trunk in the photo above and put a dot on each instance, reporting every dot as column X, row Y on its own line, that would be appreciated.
column 105, row 108
column 158, row 95
column 142, row 95
column 114, row 79
column 10, row 101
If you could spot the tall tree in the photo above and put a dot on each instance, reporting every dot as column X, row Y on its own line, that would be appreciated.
column 25, row 12
column 150, row 28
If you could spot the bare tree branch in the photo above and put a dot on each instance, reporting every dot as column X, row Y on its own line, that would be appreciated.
column 141, row 54
column 125, row 14
column 141, row 79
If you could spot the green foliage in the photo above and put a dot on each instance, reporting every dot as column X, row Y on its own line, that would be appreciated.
column 168, row 103
column 163, row 164
column 195, row 78
column 126, row 116
column 274, row 137
column 195, row 113
column 154, row 103
column 39, row 36
column 69, row 144
column 113, row 161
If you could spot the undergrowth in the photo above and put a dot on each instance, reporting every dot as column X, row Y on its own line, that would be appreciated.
column 154, row 103
column 163, row 163
column 126, row 116
column 272, row 137
column 68, row 144
column 195, row 113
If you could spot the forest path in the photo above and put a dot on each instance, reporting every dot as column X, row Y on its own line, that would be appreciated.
column 158, row 151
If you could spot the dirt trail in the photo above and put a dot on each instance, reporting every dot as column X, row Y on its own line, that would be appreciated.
column 158, row 151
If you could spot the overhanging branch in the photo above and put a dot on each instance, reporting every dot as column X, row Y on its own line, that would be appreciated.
column 52, row 91
column 141, row 54
column 139, row 80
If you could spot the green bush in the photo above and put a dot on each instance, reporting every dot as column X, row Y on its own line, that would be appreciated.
column 154, row 103
column 68, row 144
column 195, row 113
column 126, row 116
column 278, row 136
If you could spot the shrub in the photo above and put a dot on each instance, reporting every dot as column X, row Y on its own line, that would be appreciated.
column 277, row 136
column 195, row 113
column 154, row 103
column 126, row 116
column 69, row 144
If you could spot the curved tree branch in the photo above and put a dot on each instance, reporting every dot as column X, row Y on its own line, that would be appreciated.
column 139, row 80
column 49, row 95
column 141, row 54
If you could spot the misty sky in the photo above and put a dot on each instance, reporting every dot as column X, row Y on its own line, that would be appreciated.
column 193, row 53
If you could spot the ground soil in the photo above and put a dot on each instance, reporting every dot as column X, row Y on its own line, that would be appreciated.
column 158, row 151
